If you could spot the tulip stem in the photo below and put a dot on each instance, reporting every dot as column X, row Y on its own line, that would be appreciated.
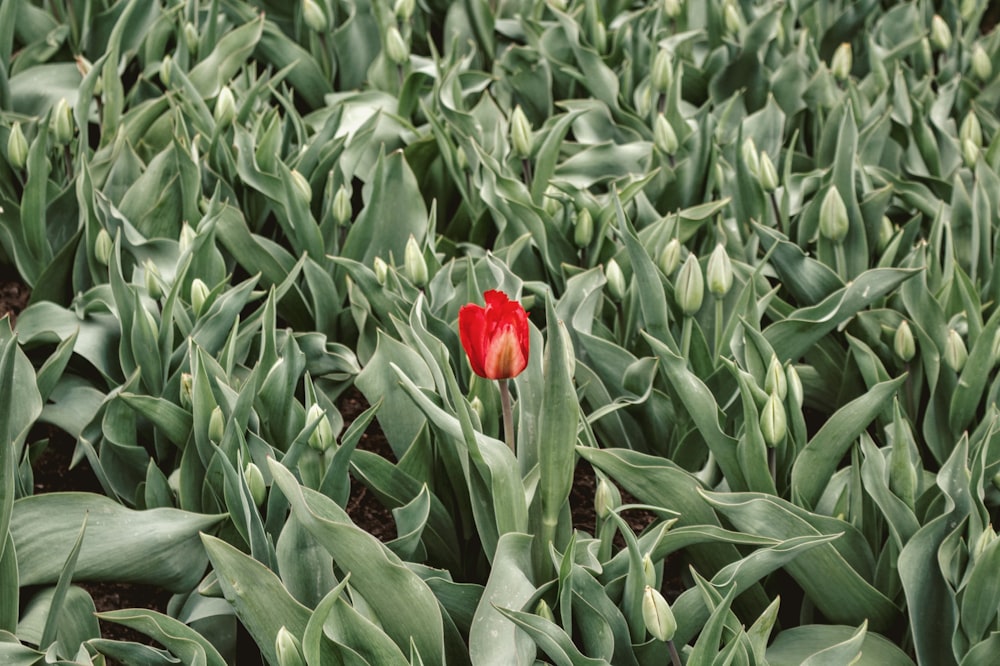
column 686, row 336
column 841, row 259
column 674, row 657
column 508, row 414
column 718, row 328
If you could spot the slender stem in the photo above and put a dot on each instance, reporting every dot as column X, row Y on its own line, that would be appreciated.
column 841, row 258
column 772, row 464
column 718, row 329
column 686, row 336
column 674, row 657
column 777, row 212
column 508, row 414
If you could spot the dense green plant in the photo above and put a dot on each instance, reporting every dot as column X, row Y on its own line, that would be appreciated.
column 757, row 244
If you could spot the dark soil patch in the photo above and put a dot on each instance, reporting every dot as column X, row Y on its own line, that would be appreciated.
column 14, row 297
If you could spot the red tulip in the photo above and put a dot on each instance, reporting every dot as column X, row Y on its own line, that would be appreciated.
column 495, row 338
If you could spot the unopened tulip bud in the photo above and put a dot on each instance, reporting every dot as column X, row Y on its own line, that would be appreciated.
column 191, row 37
column 321, row 437
column 967, row 8
column 987, row 537
column 662, row 74
column 552, row 204
column 600, row 37
column 750, row 156
column 690, row 288
column 995, row 355
column 670, row 257
column 940, row 33
column 731, row 18
column 17, row 147
column 982, row 66
column 774, row 379
column 768, row 175
column 648, row 570
column 833, row 220
column 186, row 238
column 314, row 16
column 643, row 99
column 672, row 8
column 719, row 272
column 657, row 616
column 971, row 129
column 414, row 262
column 62, row 122
column 381, row 270
column 842, row 62
column 616, row 281
column 186, row 387
column 342, row 209
column 924, row 57
column 773, row 423
column 478, row 407
column 165, row 66
column 544, row 611
column 152, row 279
column 970, row 153
column 199, row 294
column 885, row 233
column 583, row 230
column 301, row 187
column 216, row 425
column 520, row 133
column 955, row 353
column 103, row 246
column 795, row 394
column 255, row 482
column 664, row 137
column 903, row 343
column 607, row 498
column 403, row 9
column 225, row 107
column 287, row 649
column 395, row 46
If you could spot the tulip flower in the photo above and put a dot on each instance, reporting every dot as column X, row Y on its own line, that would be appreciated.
column 495, row 339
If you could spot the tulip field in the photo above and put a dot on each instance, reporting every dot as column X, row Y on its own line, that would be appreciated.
column 645, row 333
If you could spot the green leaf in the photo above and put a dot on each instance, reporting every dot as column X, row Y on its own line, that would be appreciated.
column 230, row 53
column 493, row 639
column 810, row 644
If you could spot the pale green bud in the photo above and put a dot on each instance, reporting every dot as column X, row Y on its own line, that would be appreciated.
column 103, row 247
column 767, row 175
column 165, row 66
column 648, row 570
column 287, row 649
column 543, row 611
column 672, row 8
column 690, row 288
column 774, row 379
column 607, row 498
column 153, row 279
column 664, row 137
column 600, row 37
column 191, row 37
column 643, row 99
column 225, row 107
column 971, row 130
column 940, row 33
column 62, row 122
column 403, row 9
column 982, row 66
column 885, row 232
column 478, row 407
column 186, row 238
column 773, row 423
column 186, row 387
column 657, row 616
column 583, row 229
column 17, row 147
column 301, row 187
column 255, row 482
column 199, row 294
column 314, row 16
column 995, row 358
column 342, row 209
column 719, row 272
column 662, row 74
column 381, row 270
column 321, row 437
column 731, row 18
column 461, row 159
column 750, row 156
column 955, row 353
column 84, row 66
column 414, row 262
column 924, row 58
column 395, row 46
column 520, row 133
column 967, row 8
column 842, row 62
column 670, row 257
column 970, row 153
column 833, row 220
column 903, row 343
column 795, row 394
column 216, row 425
column 616, row 281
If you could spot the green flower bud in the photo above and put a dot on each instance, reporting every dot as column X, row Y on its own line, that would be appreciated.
column 186, row 387
column 670, row 257
column 616, row 281
column 971, row 130
column 287, row 649
column 62, row 122
column 199, row 294
column 731, row 18
column 17, row 147
column 255, row 482
column 321, row 437
column 767, row 175
column 643, row 99
column 520, row 133
column 955, row 353
column 186, row 238
column 774, row 379
column 403, row 9
column 657, row 616
column 153, row 279
column 414, row 262
column 600, row 37
column 543, row 611
column 103, row 247
column 833, row 220
column 987, row 537
column 982, row 66
column 461, row 159
column 583, row 230
column 967, row 8
column 191, row 37
column 842, row 62
column 552, row 204
column 478, row 407
column 672, row 8
column 750, row 156
column 940, row 33
column 396, row 48
column 648, row 570
column 773, row 423
column 885, row 233
column 690, row 287
column 664, row 137
column 225, row 107
column 662, row 74
column 301, row 187
column 995, row 355
column 903, row 343
column 970, row 153
column 607, row 498
column 165, row 66
column 381, row 270
column 314, row 16
column 795, row 395
column 719, row 272
column 216, row 425
column 342, row 209
column 924, row 58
